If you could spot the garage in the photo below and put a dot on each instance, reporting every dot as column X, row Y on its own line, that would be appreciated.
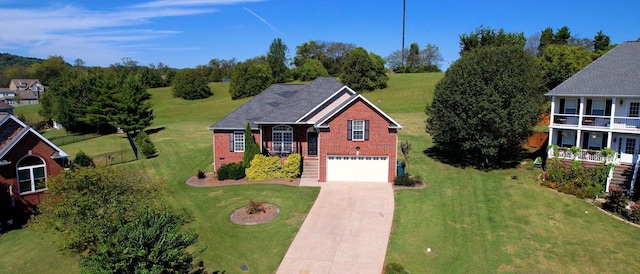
column 357, row 169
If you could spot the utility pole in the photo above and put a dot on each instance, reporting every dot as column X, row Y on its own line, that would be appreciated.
column 404, row 2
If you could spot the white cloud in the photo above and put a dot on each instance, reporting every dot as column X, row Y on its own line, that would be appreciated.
column 98, row 36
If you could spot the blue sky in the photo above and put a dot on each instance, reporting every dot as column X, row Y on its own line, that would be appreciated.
column 188, row 33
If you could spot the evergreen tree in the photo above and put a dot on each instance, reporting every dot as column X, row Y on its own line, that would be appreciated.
column 277, row 60
column 251, row 149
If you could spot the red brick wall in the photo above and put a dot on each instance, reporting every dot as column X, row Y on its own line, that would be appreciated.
column 30, row 142
column 382, row 140
column 221, row 153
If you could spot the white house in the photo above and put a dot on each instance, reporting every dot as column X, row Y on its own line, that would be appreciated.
column 599, row 107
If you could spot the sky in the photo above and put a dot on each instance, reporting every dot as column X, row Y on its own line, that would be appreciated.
column 187, row 33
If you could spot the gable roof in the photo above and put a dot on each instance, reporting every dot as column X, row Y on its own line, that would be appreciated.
column 24, row 83
column 614, row 74
column 322, row 122
column 281, row 103
column 12, row 130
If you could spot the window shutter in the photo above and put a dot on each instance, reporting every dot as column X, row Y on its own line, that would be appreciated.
column 604, row 140
column 231, row 142
column 559, row 138
column 366, row 130
column 589, row 104
column 607, row 108
column 585, row 140
column 561, row 106
column 349, row 129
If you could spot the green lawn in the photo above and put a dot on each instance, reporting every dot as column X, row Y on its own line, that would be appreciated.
column 473, row 221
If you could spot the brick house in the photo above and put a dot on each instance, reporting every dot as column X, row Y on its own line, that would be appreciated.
column 27, row 159
column 598, row 108
column 336, row 131
column 22, row 92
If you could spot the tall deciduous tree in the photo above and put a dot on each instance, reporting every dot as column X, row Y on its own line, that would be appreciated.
column 483, row 36
column 190, row 84
column 310, row 50
column 311, row 70
column 487, row 104
column 363, row 71
column 250, row 78
column 277, row 60
column 559, row 62
column 49, row 69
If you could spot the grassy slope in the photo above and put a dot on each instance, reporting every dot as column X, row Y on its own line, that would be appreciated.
column 474, row 221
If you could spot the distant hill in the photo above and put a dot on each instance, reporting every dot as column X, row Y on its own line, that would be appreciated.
column 10, row 60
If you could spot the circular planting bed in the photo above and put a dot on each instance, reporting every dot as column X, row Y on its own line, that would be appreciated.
column 241, row 216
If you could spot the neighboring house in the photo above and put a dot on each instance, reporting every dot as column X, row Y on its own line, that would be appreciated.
column 22, row 92
column 27, row 159
column 340, row 134
column 599, row 107
column 6, row 108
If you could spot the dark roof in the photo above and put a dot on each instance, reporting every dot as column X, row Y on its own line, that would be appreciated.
column 280, row 103
column 5, row 106
column 614, row 74
column 12, row 130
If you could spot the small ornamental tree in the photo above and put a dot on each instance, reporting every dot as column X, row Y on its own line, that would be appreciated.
column 405, row 147
column 82, row 160
column 250, row 147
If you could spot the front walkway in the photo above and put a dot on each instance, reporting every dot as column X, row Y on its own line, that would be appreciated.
column 346, row 231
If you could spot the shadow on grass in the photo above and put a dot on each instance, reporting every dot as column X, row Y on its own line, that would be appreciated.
column 154, row 130
column 459, row 159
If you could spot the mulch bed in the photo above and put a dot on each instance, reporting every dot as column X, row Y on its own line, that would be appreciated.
column 240, row 215
column 210, row 180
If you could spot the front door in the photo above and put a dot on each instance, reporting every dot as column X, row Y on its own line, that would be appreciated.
column 628, row 149
column 312, row 143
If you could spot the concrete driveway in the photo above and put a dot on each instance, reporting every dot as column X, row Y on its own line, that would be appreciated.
column 346, row 231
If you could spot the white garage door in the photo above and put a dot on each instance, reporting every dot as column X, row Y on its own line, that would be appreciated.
column 357, row 169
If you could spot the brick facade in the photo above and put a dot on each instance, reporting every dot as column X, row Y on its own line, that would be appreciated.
column 222, row 151
column 25, row 203
column 382, row 140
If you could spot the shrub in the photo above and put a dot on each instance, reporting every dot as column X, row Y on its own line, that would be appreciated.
column 616, row 201
column 406, row 180
column 232, row 171
column 82, row 160
column 264, row 168
column 255, row 207
column 634, row 214
column 291, row 168
column 145, row 145
column 580, row 181
column 201, row 174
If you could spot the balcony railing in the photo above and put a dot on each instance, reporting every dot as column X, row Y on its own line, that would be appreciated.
column 593, row 121
column 282, row 150
column 587, row 155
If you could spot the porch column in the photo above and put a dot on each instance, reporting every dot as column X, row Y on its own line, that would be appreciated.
column 580, row 111
column 578, row 138
column 553, row 110
column 613, row 113
column 609, row 138
column 550, row 136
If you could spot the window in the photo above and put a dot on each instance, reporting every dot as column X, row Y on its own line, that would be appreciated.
column 571, row 106
column 633, row 109
column 568, row 138
column 358, row 130
column 31, row 174
column 598, row 107
column 282, row 137
column 595, row 140
column 236, row 141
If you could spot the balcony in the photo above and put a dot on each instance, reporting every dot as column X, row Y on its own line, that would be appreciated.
column 597, row 122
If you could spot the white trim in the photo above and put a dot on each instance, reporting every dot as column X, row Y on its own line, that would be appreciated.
column 28, row 129
column 349, row 90
column 31, row 174
column 348, row 103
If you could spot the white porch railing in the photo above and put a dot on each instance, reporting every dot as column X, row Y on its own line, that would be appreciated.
column 586, row 155
column 592, row 121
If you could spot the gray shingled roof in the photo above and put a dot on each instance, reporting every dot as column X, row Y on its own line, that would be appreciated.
column 280, row 103
column 615, row 74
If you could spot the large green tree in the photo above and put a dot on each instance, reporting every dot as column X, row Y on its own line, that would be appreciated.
column 484, row 36
column 559, row 62
column 151, row 243
column 49, row 69
column 311, row 69
column 277, row 60
column 191, row 84
column 132, row 110
column 363, row 71
column 249, row 78
column 487, row 104
column 79, row 204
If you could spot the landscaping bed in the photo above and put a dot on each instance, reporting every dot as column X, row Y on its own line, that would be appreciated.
column 210, row 180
